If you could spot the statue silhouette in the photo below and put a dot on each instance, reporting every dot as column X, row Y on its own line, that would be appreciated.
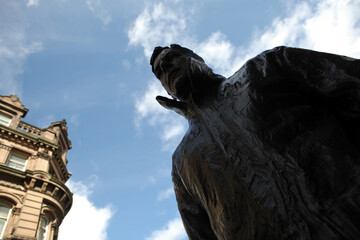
column 271, row 152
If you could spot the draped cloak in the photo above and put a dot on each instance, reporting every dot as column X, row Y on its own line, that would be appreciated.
column 275, row 154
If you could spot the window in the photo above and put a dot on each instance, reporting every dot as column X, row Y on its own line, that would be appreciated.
column 43, row 228
column 4, row 215
column 5, row 119
column 17, row 161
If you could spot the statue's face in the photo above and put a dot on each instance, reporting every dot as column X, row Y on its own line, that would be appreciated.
column 170, row 69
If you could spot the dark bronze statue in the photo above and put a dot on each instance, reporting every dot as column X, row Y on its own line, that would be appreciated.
column 273, row 151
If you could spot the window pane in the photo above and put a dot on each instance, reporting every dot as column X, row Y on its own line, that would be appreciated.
column 5, row 120
column 43, row 228
column 2, row 225
column 17, row 162
column 17, row 159
column 44, row 222
column 41, row 234
column 15, row 165
column 4, row 213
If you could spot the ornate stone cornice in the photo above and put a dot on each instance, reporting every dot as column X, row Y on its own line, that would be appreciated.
column 34, row 143
column 19, row 237
column 26, row 139
column 2, row 145
column 11, row 185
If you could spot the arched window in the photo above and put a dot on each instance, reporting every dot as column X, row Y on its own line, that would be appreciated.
column 4, row 216
column 44, row 228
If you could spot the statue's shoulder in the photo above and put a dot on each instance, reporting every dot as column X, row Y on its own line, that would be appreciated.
column 277, row 61
column 254, row 66
column 279, row 50
column 275, row 50
column 283, row 54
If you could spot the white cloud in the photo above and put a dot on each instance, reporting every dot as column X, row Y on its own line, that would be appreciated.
column 147, row 108
column 32, row 3
column 173, row 130
column 161, row 25
column 327, row 25
column 158, row 24
column 334, row 27
column 85, row 220
column 14, row 47
column 166, row 194
column 146, row 104
column 100, row 12
column 14, row 51
column 217, row 52
column 174, row 230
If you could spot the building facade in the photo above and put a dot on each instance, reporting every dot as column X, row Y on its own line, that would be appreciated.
column 33, row 197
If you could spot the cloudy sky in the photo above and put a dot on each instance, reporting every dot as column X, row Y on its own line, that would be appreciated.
column 88, row 62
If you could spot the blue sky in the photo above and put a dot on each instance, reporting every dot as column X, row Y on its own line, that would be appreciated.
column 88, row 62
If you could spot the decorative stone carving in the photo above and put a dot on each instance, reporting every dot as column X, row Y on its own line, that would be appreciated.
column 43, row 187
column 2, row 145
column 32, row 183
column 271, row 152
column 19, row 237
column 14, row 98
column 16, row 211
column 44, row 156
column 11, row 185
column 54, row 225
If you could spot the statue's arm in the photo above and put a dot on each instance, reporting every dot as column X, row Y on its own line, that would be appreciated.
column 194, row 217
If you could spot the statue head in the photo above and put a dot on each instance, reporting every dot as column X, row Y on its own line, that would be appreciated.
column 169, row 64
column 181, row 72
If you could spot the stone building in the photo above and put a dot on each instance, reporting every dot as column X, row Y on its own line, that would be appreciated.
column 33, row 197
